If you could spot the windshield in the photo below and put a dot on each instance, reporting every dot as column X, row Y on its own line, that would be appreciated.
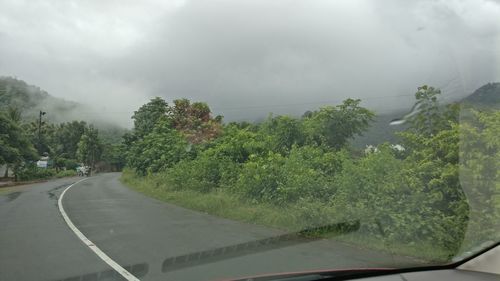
column 215, row 140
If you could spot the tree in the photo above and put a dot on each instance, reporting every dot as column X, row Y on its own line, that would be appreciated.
column 432, row 141
column 15, row 146
column 335, row 125
column 194, row 120
column 43, row 142
column 63, row 143
column 89, row 147
column 480, row 173
column 285, row 131
column 158, row 150
column 114, row 156
column 426, row 118
column 66, row 138
column 14, row 114
column 146, row 117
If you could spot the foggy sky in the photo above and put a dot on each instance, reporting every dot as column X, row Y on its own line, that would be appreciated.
column 247, row 58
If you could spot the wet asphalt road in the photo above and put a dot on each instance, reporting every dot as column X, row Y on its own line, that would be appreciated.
column 151, row 239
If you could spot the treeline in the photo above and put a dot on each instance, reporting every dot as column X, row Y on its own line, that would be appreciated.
column 409, row 194
column 65, row 145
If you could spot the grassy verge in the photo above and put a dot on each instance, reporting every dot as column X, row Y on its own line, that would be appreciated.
column 215, row 203
column 66, row 173
column 290, row 218
column 5, row 190
column 8, row 188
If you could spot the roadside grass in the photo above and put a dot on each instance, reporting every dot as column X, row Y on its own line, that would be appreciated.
column 216, row 203
column 289, row 219
column 66, row 173
column 10, row 186
column 6, row 190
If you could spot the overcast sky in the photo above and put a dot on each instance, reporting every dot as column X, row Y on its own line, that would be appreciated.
column 247, row 58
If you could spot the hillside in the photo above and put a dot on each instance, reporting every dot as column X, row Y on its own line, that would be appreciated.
column 31, row 99
column 487, row 95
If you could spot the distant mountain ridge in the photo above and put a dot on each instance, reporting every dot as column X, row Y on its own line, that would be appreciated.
column 487, row 95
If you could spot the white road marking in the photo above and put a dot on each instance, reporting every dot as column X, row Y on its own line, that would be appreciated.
column 122, row 271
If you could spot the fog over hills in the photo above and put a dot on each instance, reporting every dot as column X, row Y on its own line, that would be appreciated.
column 31, row 99
column 486, row 96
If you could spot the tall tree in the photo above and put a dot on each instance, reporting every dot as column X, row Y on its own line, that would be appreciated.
column 335, row 125
column 426, row 117
column 285, row 131
column 90, row 147
column 146, row 117
column 15, row 146
column 66, row 138
column 194, row 121
column 158, row 150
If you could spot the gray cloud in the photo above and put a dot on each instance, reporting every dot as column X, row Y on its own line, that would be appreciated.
column 247, row 58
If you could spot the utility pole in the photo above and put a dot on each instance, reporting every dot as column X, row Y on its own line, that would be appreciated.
column 40, row 131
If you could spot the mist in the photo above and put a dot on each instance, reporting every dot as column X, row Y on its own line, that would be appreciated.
column 248, row 58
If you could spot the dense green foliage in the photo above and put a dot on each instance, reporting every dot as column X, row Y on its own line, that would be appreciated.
column 479, row 172
column 24, row 138
column 413, row 195
column 438, row 187
column 89, row 147
column 66, row 146
column 32, row 172
column 66, row 173
column 14, row 142
column 163, row 135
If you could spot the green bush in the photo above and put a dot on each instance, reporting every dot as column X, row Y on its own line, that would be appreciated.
column 207, row 172
column 32, row 172
column 260, row 178
column 159, row 150
column 70, row 164
column 66, row 173
column 306, row 173
column 239, row 144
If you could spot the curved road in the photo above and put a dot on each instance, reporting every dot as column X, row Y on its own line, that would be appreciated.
column 151, row 239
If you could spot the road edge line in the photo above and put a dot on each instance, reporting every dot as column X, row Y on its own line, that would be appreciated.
column 122, row 271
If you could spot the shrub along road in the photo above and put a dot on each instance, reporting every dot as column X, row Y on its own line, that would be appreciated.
column 151, row 239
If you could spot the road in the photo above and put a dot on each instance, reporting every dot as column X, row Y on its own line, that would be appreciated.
column 151, row 239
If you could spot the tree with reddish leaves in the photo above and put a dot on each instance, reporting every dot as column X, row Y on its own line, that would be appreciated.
column 194, row 120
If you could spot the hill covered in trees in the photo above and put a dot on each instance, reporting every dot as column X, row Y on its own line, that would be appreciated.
column 488, row 96
column 62, row 135
column 31, row 99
